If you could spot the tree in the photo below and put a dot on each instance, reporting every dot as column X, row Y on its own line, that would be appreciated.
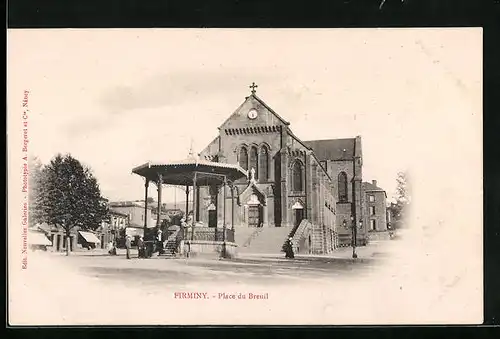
column 71, row 196
column 399, row 209
column 36, row 186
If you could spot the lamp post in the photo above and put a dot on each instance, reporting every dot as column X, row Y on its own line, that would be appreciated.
column 354, row 234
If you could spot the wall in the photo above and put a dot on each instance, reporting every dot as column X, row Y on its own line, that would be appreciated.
column 53, row 235
column 380, row 216
column 333, row 170
column 136, row 214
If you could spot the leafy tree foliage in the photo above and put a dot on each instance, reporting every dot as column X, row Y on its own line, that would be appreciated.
column 35, row 184
column 69, row 196
column 399, row 209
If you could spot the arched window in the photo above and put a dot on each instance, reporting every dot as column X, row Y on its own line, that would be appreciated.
column 342, row 182
column 264, row 163
column 254, row 161
column 243, row 158
column 297, row 183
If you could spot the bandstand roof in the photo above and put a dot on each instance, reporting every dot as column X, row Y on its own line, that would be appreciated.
column 183, row 172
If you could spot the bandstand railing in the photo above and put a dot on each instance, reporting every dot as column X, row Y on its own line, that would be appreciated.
column 209, row 234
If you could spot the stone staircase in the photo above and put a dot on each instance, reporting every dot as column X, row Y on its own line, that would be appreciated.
column 244, row 235
column 170, row 245
column 300, row 236
column 266, row 240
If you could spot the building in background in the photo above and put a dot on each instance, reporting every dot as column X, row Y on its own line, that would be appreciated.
column 136, row 215
column 114, row 229
column 37, row 239
column 375, row 210
column 78, row 239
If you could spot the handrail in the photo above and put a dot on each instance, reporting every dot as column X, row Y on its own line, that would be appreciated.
column 298, row 231
column 209, row 234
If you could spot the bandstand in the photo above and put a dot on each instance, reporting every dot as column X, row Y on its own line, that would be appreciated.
column 195, row 238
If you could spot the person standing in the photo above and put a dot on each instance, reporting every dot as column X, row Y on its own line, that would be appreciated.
column 140, row 247
column 128, row 245
column 159, row 242
column 289, row 249
column 111, row 248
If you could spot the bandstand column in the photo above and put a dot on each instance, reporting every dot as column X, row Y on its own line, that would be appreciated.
column 187, row 201
column 224, row 219
column 159, row 184
column 146, row 186
column 232, row 207
column 224, row 210
column 194, row 206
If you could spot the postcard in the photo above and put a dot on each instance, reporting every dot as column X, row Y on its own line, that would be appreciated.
column 245, row 176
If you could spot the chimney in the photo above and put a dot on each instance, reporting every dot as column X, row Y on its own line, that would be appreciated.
column 374, row 182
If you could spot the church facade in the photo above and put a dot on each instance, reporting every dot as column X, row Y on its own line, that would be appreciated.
column 290, row 180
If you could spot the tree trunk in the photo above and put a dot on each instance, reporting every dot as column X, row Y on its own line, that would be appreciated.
column 68, row 240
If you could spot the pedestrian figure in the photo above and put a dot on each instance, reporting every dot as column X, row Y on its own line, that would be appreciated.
column 111, row 248
column 140, row 248
column 128, row 245
column 289, row 249
column 159, row 242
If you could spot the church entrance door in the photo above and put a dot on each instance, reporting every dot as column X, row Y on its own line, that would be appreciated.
column 254, row 216
column 299, row 215
column 212, row 218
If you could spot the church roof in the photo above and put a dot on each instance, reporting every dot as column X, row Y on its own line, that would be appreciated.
column 270, row 109
column 255, row 97
column 333, row 149
column 369, row 187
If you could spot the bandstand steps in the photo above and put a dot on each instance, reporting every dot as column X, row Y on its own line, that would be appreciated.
column 170, row 246
column 269, row 240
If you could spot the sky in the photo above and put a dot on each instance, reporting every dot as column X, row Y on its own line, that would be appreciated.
column 117, row 98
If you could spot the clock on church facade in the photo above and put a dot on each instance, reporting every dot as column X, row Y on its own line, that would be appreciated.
column 252, row 114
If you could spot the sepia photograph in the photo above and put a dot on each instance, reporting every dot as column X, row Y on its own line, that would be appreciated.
column 245, row 176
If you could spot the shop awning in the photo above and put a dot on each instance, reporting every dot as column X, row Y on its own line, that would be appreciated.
column 90, row 237
column 37, row 238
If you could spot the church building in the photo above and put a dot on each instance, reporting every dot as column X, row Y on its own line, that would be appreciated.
column 309, row 189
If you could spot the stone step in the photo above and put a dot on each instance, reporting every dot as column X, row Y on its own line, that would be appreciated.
column 243, row 234
column 268, row 240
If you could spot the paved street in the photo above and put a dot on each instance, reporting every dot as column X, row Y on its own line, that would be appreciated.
column 251, row 269
column 389, row 280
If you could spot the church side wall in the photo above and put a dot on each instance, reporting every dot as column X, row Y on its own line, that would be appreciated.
column 334, row 168
column 211, row 150
column 356, row 202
